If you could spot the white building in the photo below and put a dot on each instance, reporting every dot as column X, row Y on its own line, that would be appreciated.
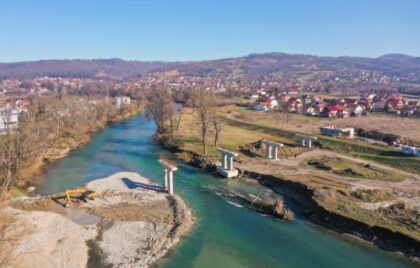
column 410, row 150
column 8, row 120
column 333, row 131
column 122, row 101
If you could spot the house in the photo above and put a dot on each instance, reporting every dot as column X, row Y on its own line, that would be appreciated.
column 373, row 97
column 332, row 111
column 9, row 114
column 410, row 150
column 311, row 111
column 394, row 96
column 333, row 131
column 354, row 109
column 413, row 104
column 395, row 104
column 380, row 105
column 274, row 104
column 266, row 105
column 295, row 105
column 9, row 119
column 284, row 98
column 122, row 101
column 262, row 106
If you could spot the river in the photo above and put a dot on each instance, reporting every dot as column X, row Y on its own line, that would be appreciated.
column 225, row 235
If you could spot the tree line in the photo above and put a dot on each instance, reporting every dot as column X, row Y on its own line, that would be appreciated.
column 161, row 108
column 51, row 124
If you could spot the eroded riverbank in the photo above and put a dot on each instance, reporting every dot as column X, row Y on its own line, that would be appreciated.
column 383, row 238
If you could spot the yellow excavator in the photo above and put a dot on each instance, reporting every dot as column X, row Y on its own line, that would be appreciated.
column 85, row 195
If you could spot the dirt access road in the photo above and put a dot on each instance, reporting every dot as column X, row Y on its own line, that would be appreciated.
column 295, row 168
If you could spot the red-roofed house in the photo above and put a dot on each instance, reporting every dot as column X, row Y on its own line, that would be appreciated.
column 333, row 111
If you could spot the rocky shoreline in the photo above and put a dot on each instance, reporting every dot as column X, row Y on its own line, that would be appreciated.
column 378, row 236
column 131, row 223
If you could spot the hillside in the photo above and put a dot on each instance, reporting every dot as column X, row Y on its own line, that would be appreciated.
column 274, row 63
column 80, row 68
column 397, row 70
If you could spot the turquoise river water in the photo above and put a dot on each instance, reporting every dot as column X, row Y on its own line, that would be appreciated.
column 226, row 234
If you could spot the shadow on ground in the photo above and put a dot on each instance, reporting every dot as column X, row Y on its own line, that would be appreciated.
column 134, row 185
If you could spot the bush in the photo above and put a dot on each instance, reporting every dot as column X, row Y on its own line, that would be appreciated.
column 319, row 165
column 376, row 135
column 288, row 215
column 349, row 172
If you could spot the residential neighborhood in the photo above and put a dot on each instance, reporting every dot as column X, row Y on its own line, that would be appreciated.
column 335, row 107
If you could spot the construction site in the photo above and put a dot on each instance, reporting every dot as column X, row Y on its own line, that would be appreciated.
column 123, row 220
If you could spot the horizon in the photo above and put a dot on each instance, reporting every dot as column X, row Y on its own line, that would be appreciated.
column 198, row 60
column 197, row 30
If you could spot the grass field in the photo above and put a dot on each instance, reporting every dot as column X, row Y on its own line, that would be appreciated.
column 340, row 190
column 344, row 167
column 408, row 128
column 382, row 154
column 232, row 137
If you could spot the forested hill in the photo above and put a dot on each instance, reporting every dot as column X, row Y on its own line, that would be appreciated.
column 397, row 66
column 80, row 68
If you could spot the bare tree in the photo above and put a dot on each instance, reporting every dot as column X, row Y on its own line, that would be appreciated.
column 174, row 122
column 8, row 161
column 17, row 145
column 217, row 124
column 51, row 123
column 161, row 108
column 204, row 103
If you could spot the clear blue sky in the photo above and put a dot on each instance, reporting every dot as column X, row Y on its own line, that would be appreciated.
column 196, row 29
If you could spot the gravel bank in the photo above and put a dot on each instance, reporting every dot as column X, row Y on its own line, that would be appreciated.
column 138, row 225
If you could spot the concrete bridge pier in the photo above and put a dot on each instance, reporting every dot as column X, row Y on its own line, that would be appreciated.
column 168, row 182
column 271, row 149
column 226, row 169
column 306, row 141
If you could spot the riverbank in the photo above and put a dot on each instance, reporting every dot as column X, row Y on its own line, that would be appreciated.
column 380, row 208
column 32, row 173
column 131, row 223
column 306, row 197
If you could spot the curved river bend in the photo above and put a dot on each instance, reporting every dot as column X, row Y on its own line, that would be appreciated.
column 225, row 235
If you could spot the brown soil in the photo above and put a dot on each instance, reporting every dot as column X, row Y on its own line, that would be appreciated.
column 152, row 212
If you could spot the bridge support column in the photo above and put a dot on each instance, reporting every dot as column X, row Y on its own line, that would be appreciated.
column 166, row 180
column 306, row 141
column 226, row 169
column 267, row 151
column 168, row 169
column 275, row 155
column 271, row 149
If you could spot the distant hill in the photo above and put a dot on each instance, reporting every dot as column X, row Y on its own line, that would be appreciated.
column 80, row 68
column 396, row 56
column 281, row 65
column 256, row 65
